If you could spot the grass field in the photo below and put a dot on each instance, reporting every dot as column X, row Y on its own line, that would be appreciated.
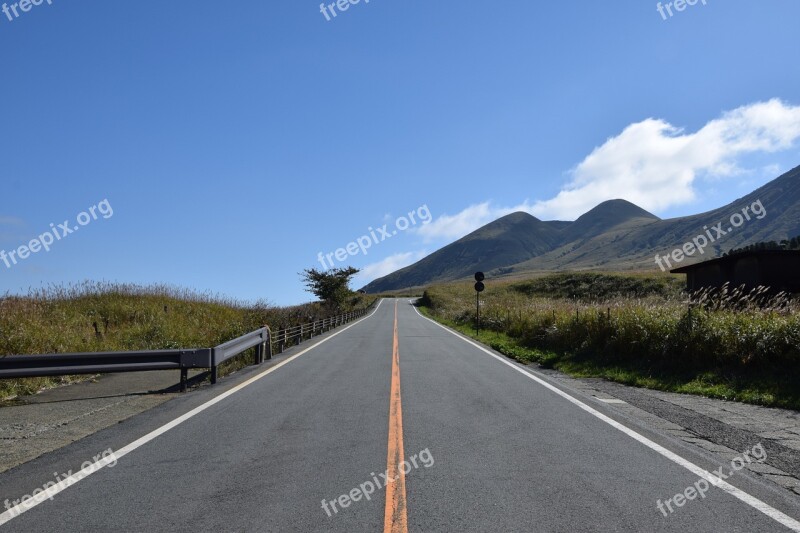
column 638, row 330
column 96, row 317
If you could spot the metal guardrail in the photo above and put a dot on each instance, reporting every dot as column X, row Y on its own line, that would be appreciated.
column 294, row 335
column 261, row 339
column 24, row 366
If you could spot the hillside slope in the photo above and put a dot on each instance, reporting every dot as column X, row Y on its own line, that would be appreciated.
column 635, row 246
column 509, row 240
column 615, row 235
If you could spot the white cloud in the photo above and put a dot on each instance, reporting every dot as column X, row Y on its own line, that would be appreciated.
column 12, row 229
column 11, row 221
column 655, row 164
column 651, row 163
column 450, row 227
column 771, row 170
column 387, row 266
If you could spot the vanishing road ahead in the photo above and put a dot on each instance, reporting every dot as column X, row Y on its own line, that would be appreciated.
column 472, row 441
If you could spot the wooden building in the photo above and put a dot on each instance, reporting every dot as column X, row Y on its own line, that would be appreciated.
column 777, row 269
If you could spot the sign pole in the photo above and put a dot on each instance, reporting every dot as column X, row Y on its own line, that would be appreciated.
column 478, row 313
column 479, row 286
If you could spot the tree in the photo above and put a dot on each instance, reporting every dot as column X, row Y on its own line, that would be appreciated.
column 331, row 286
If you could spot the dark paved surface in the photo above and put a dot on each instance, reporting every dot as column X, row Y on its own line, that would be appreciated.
column 507, row 453
column 703, row 426
column 31, row 426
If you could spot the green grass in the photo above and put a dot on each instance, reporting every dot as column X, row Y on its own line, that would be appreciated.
column 597, row 287
column 96, row 317
column 744, row 354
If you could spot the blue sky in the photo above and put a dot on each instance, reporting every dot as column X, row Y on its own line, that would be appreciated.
column 236, row 141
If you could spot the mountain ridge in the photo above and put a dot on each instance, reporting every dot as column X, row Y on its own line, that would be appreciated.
column 614, row 235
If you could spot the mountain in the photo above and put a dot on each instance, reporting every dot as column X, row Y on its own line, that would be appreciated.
column 634, row 246
column 615, row 235
column 613, row 214
column 511, row 239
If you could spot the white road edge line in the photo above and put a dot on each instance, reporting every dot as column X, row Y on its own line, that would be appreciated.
column 16, row 511
column 752, row 501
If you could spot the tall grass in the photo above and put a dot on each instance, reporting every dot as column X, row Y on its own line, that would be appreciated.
column 728, row 343
column 91, row 317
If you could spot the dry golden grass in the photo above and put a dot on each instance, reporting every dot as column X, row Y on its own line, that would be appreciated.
column 94, row 317
column 733, row 344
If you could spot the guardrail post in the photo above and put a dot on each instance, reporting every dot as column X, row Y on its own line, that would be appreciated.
column 281, row 339
column 183, row 360
column 302, row 334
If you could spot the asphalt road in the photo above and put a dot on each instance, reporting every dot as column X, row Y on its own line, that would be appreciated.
column 477, row 443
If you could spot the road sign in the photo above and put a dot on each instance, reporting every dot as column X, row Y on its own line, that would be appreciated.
column 479, row 287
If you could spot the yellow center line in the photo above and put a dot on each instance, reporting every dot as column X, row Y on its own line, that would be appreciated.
column 395, row 519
